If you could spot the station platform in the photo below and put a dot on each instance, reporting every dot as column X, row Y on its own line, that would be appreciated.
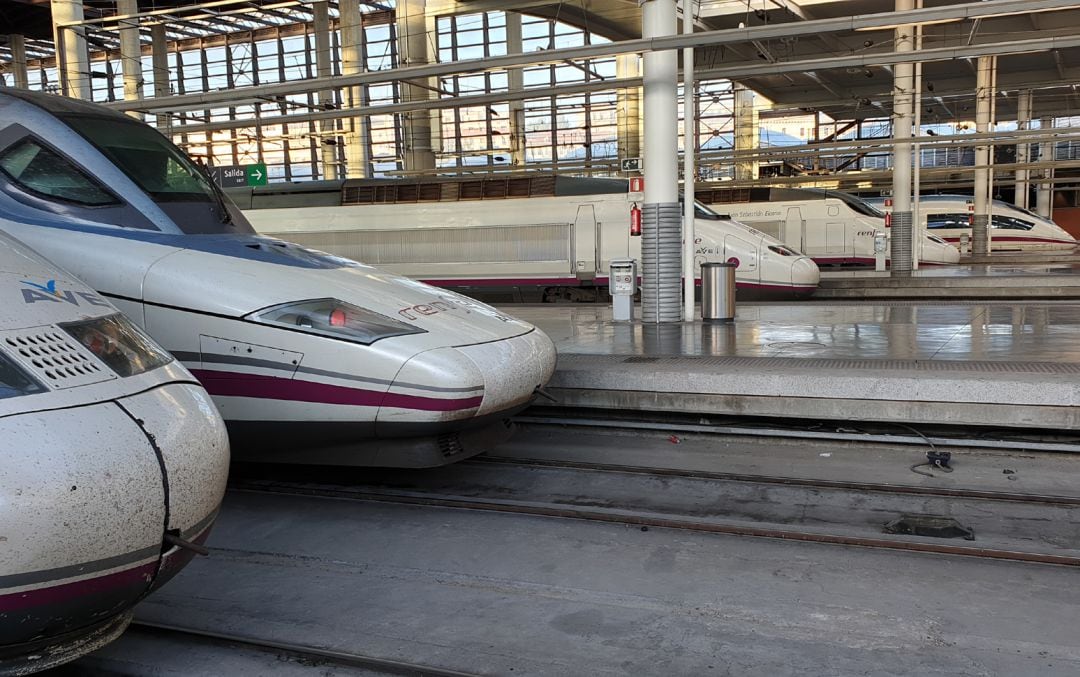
column 1009, row 276
column 986, row 364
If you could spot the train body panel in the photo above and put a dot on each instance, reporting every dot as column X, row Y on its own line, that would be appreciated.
column 1012, row 228
column 554, row 241
column 301, row 350
column 831, row 227
column 85, row 506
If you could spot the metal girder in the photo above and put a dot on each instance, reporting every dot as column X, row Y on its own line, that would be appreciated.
column 709, row 38
column 617, row 83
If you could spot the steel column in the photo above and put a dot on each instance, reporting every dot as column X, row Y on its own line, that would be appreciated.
column 661, row 241
column 1023, row 150
column 690, row 141
column 516, row 82
column 358, row 141
column 18, row 60
column 73, row 61
column 412, row 43
column 629, row 107
column 130, row 53
column 901, row 241
column 324, row 68
column 159, row 60
column 747, row 132
column 984, row 94
column 1044, row 196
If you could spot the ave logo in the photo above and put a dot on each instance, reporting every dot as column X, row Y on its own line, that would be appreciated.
column 49, row 292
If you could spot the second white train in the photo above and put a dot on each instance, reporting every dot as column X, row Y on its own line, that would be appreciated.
column 535, row 232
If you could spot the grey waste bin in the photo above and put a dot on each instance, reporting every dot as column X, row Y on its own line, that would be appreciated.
column 718, row 291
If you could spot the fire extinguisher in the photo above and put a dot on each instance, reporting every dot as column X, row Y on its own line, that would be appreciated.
column 635, row 221
column 888, row 219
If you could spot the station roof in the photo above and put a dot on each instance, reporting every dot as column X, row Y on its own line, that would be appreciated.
column 853, row 92
column 843, row 93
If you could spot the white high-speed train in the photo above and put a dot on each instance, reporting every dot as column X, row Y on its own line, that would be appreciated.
column 114, row 465
column 1011, row 228
column 533, row 233
column 309, row 357
column 831, row 227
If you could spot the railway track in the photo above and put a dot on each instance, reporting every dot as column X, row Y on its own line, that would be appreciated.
column 318, row 658
column 550, row 481
column 646, row 521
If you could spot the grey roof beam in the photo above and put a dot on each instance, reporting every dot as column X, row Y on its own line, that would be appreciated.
column 726, row 36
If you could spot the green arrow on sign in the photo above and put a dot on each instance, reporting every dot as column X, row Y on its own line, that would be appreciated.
column 255, row 174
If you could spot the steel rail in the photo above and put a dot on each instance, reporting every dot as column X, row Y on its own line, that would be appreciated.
column 960, row 12
column 342, row 658
column 1055, row 447
column 809, row 483
column 652, row 521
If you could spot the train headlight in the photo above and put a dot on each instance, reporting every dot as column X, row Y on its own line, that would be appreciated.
column 118, row 343
column 334, row 318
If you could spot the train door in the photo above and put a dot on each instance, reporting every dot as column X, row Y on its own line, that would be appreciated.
column 795, row 230
column 613, row 232
column 586, row 243
column 836, row 240
column 744, row 254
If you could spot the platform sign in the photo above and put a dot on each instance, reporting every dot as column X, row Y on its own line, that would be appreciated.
column 630, row 164
column 240, row 176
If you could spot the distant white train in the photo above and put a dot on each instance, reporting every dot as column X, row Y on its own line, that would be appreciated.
column 831, row 227
column 512, row 234
column 1012, row 228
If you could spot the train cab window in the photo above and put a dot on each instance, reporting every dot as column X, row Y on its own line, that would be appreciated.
column 1011, row 223
column 947, row 221
column 43, row 172
column 13, row 381
column 179, row 187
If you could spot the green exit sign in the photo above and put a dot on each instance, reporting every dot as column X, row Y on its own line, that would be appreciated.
column 238, row 176
column 255, row 174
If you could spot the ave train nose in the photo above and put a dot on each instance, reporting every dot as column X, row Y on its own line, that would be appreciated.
column 85, row 519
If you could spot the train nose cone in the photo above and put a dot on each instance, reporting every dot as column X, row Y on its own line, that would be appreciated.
column 513, row 369
column 450, row 385
column 85, row 523
column 193, row 446
column 805, row 275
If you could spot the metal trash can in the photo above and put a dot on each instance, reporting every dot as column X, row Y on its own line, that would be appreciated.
column 718, row 292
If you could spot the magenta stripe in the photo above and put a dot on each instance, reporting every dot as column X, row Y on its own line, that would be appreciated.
column 1037, row 240
column 138, row 577
column 500, row 281
column 259, row 386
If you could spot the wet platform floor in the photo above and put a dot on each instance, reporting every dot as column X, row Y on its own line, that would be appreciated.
column 976, row 363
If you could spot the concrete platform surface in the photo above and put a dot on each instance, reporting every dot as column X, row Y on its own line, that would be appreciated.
column 985, row 364
column 1054, row 277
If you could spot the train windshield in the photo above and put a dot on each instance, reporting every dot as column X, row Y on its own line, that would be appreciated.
column 181, row 188
column 859, row 205
column 701, row 211
column 14, row 381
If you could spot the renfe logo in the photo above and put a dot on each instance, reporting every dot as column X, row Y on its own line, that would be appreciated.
column 49, row 292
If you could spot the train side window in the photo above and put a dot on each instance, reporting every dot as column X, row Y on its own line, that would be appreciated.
column 43, row 172
column 947, row 221
column 1011, row 223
